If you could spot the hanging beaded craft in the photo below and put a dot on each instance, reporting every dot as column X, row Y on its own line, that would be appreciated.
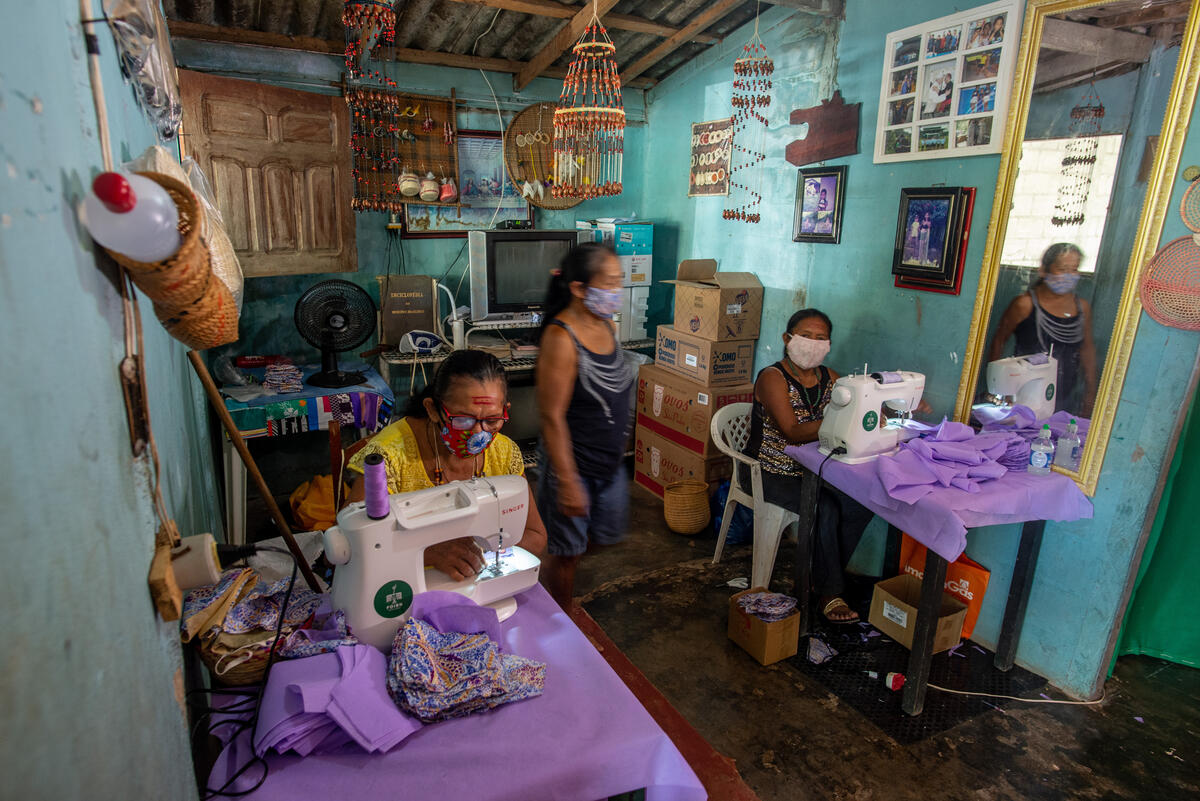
column 1075, row 177
column 589, row 123
column 368, row 23
column 751, row 97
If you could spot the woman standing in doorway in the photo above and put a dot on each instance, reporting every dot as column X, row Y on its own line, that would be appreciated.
column 583, row 386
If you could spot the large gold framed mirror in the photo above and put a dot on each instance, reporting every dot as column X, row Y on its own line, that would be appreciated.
column 1078, row 178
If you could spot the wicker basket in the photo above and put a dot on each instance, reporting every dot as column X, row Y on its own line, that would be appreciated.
column 534, row 160
column 210, row 320
column 246, row 666
column 685, row 507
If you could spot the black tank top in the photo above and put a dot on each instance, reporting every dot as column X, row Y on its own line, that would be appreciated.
column 598, row 414
column 1028, row 341
column 767, row 441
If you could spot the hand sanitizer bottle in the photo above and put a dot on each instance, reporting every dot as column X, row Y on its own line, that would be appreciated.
column 1068, row 449
column 1041, row 453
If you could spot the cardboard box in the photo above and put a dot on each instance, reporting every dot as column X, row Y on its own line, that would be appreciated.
column 635, row 303
column 715, row 305
column 766, row 642
column 894, row 612
column 636, row 270
column 626, row 238
column 713, row 364
column 680, row 410
column 658, row 462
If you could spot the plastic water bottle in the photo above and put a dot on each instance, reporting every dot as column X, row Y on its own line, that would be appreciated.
column 133, row 216
column 1041, row 453
column 1068, row 450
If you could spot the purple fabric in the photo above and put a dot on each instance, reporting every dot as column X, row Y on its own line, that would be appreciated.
column 586, row 737
column 941, row 518
column 1021, row 420
column 952, row 455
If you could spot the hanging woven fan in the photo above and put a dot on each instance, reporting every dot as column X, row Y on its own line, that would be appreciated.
column 529, row 157
column 1170, row 286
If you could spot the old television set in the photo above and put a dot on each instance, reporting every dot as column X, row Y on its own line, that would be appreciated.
column 510, row 271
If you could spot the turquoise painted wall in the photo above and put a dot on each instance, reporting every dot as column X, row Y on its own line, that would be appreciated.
column 87, row 686
column 1077, row 598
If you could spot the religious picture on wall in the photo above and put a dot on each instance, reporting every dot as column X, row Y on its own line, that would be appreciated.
column 906, row 51
column 984, row 32
column 900, row 111
column 928, row 232
column 904, row 82
column 969, row 133
column 977, row 99
column 939, row 89
column 820, row 197
column 898, row 141
column 933, row 137
column 962, row 70
column 943, row 42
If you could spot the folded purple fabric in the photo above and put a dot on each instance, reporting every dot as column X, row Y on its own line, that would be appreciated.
column 950, row 455
column 452, row 612
column 1021, row 420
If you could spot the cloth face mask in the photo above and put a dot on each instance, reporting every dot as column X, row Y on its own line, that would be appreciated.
column 807, row 353
column 464, row 444
column 602, row 302
column 1062, row 284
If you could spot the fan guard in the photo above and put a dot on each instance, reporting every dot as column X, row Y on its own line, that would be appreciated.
column 335, row 316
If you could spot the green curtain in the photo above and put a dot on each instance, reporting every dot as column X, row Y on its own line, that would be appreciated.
column 1161, row 620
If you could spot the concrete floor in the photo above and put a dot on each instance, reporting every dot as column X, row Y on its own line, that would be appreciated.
column 792, row 739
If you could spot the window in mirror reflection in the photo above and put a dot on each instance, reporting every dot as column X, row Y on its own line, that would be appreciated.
column 1039, row 173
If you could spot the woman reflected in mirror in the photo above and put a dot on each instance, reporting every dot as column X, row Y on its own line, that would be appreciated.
column 1051, row 315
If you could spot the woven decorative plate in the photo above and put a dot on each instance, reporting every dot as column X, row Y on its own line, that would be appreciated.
column 529, row 156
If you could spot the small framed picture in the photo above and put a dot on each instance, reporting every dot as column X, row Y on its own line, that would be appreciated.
column 898, row 141
column 987, row 31
column 939, row 90
column 943, row 42
column 981, row 66
column 906, row 51
column 976, row 99
column 904, row 82
column 929, row 232
column 820, row 198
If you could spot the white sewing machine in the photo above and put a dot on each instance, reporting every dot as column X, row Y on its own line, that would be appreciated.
column 854, row 417
column 381, row 563
column 1028, row 380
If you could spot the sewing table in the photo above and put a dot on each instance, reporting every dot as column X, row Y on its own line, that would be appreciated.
column 940, row 521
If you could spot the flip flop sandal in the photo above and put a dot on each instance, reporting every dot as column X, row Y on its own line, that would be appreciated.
column 838, row 603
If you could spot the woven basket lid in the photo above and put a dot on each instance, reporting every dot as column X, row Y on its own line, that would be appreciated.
column 529, row 154
column 1170, row 285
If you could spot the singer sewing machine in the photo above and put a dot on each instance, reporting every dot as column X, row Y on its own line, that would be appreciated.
column 381, row 562
column 1028, row 380
column 854, row 417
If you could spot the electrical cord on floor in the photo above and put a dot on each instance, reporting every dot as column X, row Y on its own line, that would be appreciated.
column 812, row 528
column 1099, row 700
column 251, row 723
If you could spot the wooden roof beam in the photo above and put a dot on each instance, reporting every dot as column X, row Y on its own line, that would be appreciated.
column 1088, row 40
column 701, row 21
column 310, row 44
column 616, row 22
column 562, row 41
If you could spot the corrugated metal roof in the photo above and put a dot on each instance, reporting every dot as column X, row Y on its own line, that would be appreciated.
column 462, row 26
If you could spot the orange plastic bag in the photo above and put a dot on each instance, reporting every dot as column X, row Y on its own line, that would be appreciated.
column 966, row 579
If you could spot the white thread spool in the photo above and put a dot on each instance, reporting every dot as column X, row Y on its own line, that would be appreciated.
column 195, row 562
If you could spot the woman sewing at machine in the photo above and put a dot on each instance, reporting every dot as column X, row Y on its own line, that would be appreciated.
column 1049, row 315
column 451, row 432
column 789, row 403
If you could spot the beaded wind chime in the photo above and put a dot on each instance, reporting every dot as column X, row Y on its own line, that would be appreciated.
column 751, row 97
column 374, row 166
column 589, row 123
column 368, row 23
column 1075, row 177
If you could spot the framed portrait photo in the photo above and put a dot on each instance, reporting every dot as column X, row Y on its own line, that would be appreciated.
column 930, row 233
column 486, row 193
column 820, row 198
column 946, row 85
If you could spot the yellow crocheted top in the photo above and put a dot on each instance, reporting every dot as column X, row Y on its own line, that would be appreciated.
column 397, row 444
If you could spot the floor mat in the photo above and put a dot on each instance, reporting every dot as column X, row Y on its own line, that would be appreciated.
column 863, row 651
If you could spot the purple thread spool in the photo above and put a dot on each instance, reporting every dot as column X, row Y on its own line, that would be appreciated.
column 376, row 491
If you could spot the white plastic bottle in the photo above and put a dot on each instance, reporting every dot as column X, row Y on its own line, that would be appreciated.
column 132, row 215
column 1041, row 453
column 1068, row 449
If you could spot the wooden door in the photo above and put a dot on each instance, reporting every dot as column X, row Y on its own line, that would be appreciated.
column 279, row 162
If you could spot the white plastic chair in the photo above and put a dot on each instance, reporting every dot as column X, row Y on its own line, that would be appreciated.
column 730, row 428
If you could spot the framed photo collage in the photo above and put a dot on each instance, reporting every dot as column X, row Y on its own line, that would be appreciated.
column 946, row 85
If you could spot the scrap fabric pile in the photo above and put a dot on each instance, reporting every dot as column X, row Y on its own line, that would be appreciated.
column 950, row 455
column 284, row 378
column 768, row 606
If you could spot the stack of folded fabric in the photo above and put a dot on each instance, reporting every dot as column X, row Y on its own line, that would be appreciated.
column 284, row 378
column 768, row 606
column 952, row 455
column 1020, row 419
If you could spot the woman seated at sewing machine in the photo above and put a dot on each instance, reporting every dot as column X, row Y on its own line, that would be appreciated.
column 451, row 432
column 790, row 397
column 1051, row 315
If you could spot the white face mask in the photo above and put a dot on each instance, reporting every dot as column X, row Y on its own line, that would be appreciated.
column 807, row 353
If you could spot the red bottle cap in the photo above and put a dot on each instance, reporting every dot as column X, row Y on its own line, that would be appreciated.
column 114, row 192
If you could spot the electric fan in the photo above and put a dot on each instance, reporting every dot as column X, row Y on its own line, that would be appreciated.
column 335, row 316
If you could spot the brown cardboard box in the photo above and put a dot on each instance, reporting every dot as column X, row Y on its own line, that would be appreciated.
column 714, row 364
column 658, row 462
column 716, row 305
column 680, row 410
column 894, row 612
column 766, row 642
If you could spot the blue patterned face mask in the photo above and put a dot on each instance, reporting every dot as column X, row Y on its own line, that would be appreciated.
column 602, row 302
column 1062, row 283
